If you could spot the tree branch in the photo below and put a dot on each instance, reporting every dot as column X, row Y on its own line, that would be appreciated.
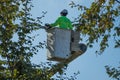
column 117, row 1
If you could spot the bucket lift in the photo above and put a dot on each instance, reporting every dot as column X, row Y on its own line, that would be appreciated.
column 63, row 45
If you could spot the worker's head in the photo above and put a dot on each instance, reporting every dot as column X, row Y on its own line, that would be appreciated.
column 64, row 12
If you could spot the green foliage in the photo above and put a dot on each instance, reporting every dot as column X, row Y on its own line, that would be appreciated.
column 15, row 55
column 99, row 22
column 15, row 63
column 113, row 72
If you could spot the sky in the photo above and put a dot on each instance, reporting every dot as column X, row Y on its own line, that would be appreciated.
column 90, row 65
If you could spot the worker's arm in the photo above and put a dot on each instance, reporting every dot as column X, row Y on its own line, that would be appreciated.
column 70, row 26
column 55, row 23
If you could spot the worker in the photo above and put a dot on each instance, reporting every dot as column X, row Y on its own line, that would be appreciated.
column 62, row 22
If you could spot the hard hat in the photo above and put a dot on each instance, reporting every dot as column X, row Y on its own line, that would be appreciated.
column 64, row 11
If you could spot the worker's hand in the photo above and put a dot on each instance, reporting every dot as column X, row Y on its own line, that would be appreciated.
column 47, row 26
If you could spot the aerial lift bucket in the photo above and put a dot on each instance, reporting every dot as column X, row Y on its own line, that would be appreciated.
column 63, row 45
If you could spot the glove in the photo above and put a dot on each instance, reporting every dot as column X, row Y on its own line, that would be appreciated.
column 47, row 26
